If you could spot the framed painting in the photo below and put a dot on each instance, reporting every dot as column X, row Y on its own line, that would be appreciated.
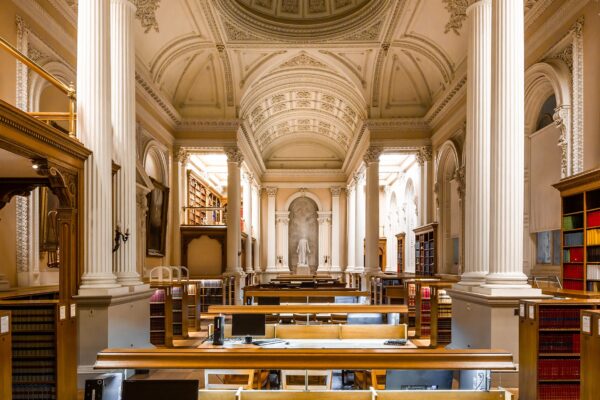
column 156, row 220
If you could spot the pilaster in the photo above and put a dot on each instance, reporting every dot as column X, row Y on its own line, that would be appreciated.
column 271, row 229
column 283, row 221
column 351, row 225
column 335, row 229
column 324, row 221
column 371, row 159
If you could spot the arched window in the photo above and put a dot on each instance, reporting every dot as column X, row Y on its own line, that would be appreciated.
column 545, row 117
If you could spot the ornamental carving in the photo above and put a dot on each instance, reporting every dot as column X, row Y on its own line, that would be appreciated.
column 271, row 191
column 234, row 155
column 146, row 13
column 459, row 175
column 372, row 154
column 182, row 155
column 458, row 14
column 303, row 60
column 424, row 154
column 335, row 191
column 562, row 120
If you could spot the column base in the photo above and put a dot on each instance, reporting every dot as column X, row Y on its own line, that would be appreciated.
column 101, row 285
column 470, row 280
column 110, row 322
column 520, row 291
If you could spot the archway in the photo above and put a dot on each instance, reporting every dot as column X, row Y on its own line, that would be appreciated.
column 303, row 225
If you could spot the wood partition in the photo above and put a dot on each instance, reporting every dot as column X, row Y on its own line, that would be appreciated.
column 309, row 308
column 351, row 395
column 590, row 354
column 273, row 358
column 5, row 355
column 302, row 293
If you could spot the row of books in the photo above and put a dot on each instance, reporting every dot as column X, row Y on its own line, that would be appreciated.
column 157, row 310
column 593, row 254
column 573, row 239
column 158, row 296
column 34, row 352
column 558, row 368
column 559, row 343
column 572, row 222
column 34, row 392
column 593, row 272
column 157, row 338
column 32, row 327
column 559, row 317
column 554, row 391
column 573, row 285
column 593, row 219
column 157, row 324
column 574, row 254
column 592, row 237
column 573, row 271
column 33, row 378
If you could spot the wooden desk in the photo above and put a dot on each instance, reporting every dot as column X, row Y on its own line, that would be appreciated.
column 49, row 292
column 313, row 344
column 309, row 308
column 268, row 358
column 423, row 292
column 302, row 293
column 575, row 294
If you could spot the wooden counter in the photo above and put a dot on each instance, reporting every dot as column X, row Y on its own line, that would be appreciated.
column 309, row 308
column 575, row 294
column 266, row 358
column 30, row 293
column 300, row 293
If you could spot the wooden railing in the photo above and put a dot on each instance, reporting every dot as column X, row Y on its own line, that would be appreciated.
column 69, row 90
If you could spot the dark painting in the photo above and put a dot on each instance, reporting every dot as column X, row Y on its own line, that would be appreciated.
column 156, row 224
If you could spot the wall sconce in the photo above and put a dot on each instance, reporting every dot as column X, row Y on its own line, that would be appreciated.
column 326, row 259
column 279, row 260
column 120, row 237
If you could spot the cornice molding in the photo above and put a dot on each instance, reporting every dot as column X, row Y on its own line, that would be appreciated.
column 37, row 13
column 66, row 10
column 208, row 125
column 398, row 124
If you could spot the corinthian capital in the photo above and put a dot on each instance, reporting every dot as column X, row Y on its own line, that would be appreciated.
column 182, row 155
column 424, row 154
column 271, row 191
column 234, row 155
column 372, row 154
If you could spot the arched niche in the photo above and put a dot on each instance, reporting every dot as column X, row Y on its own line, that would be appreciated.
column 410, row 212
column 303, row 223
column 548, row 157
column 308, row 194
column 448, row 185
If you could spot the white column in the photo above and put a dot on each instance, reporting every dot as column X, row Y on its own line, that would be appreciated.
column 94, row 125
column 123, row 121
column 335, row 229
column 324, row 255
column 424, row 157
column 256, row 226
column 371, row 159
column 271, row 233
column 507, row 148
column 477, row 143
column 234, row 238
column 351, row 224
column 248, row 220
column 283, row 220
column 359, row 258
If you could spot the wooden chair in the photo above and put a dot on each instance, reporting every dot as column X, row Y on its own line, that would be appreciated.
column 378, row 379
column 229, row 378
column 339, row 318
column 298, row 379
column 304, row 319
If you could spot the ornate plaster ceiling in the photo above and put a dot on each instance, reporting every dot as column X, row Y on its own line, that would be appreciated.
column 297, row 77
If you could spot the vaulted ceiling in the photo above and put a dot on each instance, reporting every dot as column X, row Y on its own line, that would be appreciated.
column 301, row 76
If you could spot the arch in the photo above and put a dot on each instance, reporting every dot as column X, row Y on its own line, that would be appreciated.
column 543, row 80
column 155, row 151
column 303, row 193
column 304, row 224
column 37, row 84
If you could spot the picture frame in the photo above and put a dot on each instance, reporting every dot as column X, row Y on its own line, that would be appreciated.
column 156, row 220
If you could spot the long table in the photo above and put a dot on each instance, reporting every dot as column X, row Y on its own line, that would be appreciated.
column 314, row 344
column 309, row 308
column 300, row 293
column 255, row 357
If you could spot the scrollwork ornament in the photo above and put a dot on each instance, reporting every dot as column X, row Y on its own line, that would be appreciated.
column 234, row 155
column 271, row 191
column 146, row 13
column 372, row 154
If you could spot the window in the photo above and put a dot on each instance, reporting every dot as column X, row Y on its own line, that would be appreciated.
column 548, row 247
column 546, row 116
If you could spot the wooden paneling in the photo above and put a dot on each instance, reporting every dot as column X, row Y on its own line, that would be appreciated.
column 590, row 357
column 5, row 355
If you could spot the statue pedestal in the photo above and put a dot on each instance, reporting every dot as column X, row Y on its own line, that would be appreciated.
column 302, row 269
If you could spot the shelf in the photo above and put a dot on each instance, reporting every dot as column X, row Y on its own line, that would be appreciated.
column 559, row 329
column 558, row 354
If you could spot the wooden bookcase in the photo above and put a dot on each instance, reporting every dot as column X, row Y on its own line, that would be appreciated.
column 427, row 293
column 5, row 355
column 549, row 348
column 161, row 315
column 180, row 310
column 400, row 259
column 441, row 314
column 426, row 249
column 43, row 349
column 410, row 297
column 201, row 195
column 590, row 349
column 581, row 231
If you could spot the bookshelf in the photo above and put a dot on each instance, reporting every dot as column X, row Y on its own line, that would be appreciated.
column 42, row 348
column 426, row 249
column 441, row 314
column 400, row 238
column 590, row 348
column 549, row 348
column 180, row 310
column 5, row 356
column 161, row 315
column 209, row 291
column 581, row 231
column 200, row 194
column 410, row 297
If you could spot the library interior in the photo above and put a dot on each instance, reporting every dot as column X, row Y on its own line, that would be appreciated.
column 299, row 199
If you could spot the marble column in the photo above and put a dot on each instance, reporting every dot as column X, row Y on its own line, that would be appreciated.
column 234, row 163
column 256, row 226
column 94, row 125
column 507, row 149
column 122, row 62
column 324, row 261
column 371, row 159
column 351, row 224
column 424, row 157
column 359, row 258
column 271, row 232
column 477, row 144
column 336, row 232
column 283, row 221
column 248, row 220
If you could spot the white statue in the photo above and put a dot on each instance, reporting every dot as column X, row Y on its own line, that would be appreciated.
column 302, row 251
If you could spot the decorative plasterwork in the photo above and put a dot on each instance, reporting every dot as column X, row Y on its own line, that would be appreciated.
column 68, row 9
column 234, row 155
column 398, row 125
column 424, row 155
column 372, row 154
column 206, row 125
column 458, row 14
column 23, row 233
column 146, row 13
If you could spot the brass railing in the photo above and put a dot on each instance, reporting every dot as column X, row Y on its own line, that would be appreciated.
column 205, row 216
column 69, row 90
